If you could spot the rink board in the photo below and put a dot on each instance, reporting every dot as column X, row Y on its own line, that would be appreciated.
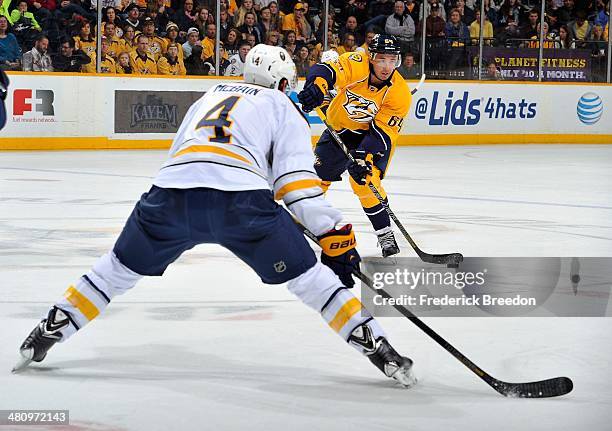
column 68, row 111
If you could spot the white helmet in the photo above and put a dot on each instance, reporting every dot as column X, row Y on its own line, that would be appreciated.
column 329, row 56
column 267, row 65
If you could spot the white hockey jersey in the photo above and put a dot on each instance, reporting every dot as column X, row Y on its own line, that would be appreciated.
column 240, row 137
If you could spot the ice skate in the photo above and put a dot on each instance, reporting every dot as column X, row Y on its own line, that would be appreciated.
column 386, row 241
column 392, row 364
column 381, row 354
column 41, row 339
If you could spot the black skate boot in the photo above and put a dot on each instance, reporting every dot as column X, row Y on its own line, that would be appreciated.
column 384, row 356
column 42, row 338
column 386, row 241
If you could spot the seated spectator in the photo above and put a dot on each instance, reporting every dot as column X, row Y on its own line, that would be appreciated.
column 129, row 39
column 232, row 43
column 467, row 14
column 84, row 41
column 566, row 12
column 69, row 59
column 535, row 40
column 357, row 9
column 302, row 62
column 225, row 24
column 115, row 44
column 170, row 63
column 107, row 63
column 194, row 63
column 506, row 36
column 25, row 26
column 598, row 44
column 475, row 30
column 296, row 22
column 10, row 53
column 348, row 44
column 510, row 8
column 22, row 14
column 171, row 37
column 401, row 26
column 530, row 28
column 350, row 27
column 43, row 11
column 66, row 9
column 414, row 10
column 163, row 14
column 408, row 69
column 223, row 63
column 276, row 16
column 435, row 26
column 266, row 24
column 209, row 41
column 564, row 40
column 493, row 73
column 186, row 16
column 603, row 14
column 123, row 64
column 273, row 38
column 109, row 15
column 250, row 27
column 133, row 17
column 38, row 59
column 457, row 32
column 141, row 61
column 250, row 39
column 580, row 29
column 202, row 15
column 193, row 39
column 156, row 43
column 236, row 61
column 247, row 6
column 368, row 39
column 290, row 42
column 552, row 17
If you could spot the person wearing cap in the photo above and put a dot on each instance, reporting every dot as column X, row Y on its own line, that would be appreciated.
column 140, row 60
column 155, row 42
column 171, row 37
column 297, row 22
column 170, row 63
column 435, row 26
column 193, row 39
column 133, row 17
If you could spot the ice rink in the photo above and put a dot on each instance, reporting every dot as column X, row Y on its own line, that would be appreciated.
column 209, row 347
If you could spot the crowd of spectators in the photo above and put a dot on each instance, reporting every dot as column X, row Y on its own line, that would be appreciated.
column 177, row 37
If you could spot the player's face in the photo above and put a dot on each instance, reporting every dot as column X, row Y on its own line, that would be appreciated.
column 384, row 65
column 244, row 50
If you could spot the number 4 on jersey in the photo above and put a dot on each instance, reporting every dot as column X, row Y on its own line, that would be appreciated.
column 222, row 109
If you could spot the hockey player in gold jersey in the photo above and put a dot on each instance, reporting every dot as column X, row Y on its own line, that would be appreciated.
column 368, row 113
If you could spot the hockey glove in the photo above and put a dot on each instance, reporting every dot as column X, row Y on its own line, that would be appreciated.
column 361, row 169
column 312, row 95
column 340, row 254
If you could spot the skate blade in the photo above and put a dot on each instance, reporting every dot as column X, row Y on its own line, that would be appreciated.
column 405, row 377
column 21, row 365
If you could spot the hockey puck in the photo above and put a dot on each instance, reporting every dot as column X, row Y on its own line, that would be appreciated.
column 575, row 279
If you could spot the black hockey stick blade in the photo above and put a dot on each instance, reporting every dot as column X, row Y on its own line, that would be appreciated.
column 554, row 387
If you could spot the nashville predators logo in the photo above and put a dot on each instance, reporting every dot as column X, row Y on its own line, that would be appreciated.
column 360, row 109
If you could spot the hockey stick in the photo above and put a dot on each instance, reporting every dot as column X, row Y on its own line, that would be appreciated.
column 554, row 387
column 452, row 259
column 415, row 89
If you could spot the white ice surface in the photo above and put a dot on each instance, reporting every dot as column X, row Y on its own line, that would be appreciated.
column 208, row 347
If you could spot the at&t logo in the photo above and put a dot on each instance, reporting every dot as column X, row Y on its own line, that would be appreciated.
column 589, row 108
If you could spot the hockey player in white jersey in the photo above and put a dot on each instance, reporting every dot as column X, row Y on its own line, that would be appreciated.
column 239, row 147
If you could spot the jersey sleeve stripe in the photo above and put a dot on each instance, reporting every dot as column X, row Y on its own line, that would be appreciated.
column 297, row 185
